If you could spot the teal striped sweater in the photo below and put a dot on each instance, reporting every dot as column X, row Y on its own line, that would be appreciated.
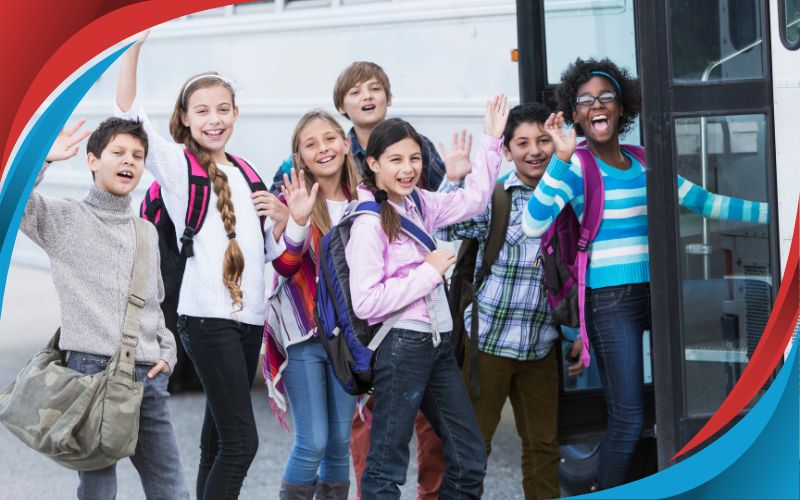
column 619, row 252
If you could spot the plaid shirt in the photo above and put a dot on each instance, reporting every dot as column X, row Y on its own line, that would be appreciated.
column 514, row 318
column 432, row 165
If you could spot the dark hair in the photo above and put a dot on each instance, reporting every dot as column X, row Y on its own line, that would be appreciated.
column 388, row 132
column 580, row 72
column 524, row 113
column 112, row 127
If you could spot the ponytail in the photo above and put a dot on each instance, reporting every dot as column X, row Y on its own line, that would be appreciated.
column 390, row 219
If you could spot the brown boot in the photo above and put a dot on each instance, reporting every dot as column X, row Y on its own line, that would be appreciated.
column 332, row 491
column 291, row 491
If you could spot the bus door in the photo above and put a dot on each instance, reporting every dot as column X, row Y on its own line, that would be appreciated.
column 707, row 117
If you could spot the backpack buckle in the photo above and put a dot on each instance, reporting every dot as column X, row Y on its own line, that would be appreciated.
column 583, row 244
column 136, row 300
column 187, row 240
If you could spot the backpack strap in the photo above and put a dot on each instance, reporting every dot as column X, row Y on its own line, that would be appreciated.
column 593, row 205
column 251, row 176
column 200, row 194
column 635, row 151
column 150, row 209
column 498, row 227
column 196, row 210
column 407, row 225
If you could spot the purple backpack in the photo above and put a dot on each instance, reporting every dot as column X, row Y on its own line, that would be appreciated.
column 565, row 245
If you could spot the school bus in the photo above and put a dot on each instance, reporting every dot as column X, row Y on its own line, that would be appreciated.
column 720, row 90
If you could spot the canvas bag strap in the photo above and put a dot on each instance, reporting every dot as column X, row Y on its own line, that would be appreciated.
column 130, row 329
column 594, row 202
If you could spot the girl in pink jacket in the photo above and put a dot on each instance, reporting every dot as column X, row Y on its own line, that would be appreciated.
column 414, row 367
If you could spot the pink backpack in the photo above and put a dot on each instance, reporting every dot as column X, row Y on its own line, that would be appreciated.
column 565, row 247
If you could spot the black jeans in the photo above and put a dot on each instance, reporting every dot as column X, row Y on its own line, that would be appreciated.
column 225, row 355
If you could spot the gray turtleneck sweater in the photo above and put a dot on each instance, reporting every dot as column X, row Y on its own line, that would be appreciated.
column 91, row 245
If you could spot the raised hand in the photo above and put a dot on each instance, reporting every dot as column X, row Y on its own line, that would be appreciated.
column 456, row 161
column 300, row 200
column 268, row 205
column 441, row 259
column 126, row 85
column 496, row 116
column 137, row 39
column 66, row 145
column 564, row 142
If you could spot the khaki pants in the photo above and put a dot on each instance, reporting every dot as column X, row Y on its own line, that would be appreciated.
column 532, row 387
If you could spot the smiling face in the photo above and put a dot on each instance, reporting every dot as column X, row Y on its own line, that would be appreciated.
column 530, row 149
column 322, row 149
column 366, row 103
column 210, row 115
column 120, row 165
column 398, row 168
column 599, row 121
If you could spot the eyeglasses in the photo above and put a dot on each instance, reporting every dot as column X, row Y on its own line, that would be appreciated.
column 588, row 100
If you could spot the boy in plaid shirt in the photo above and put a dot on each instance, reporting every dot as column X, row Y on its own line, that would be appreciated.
column 516, row 334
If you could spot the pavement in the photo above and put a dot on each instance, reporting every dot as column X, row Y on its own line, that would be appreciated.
column 30, row 316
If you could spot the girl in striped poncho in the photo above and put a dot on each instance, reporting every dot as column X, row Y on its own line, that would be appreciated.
column 295, row 363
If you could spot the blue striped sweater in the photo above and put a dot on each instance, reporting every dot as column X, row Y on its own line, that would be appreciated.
column 619, row 252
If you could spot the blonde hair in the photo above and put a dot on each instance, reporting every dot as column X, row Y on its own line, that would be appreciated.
column 233, row 262
column 349, row 176
column 359, row 72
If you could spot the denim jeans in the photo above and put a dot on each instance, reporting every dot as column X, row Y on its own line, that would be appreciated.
column 156, row 458
column 322, row 412
column 225, row 355
column 411, row 374
column 616, row 316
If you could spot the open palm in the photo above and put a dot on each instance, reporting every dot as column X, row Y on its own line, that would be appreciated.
column 496, row 115
column 563, row 141
column 456, row 160
column 298, row 198
column 66, row 144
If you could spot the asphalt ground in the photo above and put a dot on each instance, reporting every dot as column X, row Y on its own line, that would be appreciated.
column 30, row 317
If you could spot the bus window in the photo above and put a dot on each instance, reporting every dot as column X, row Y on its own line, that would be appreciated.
column 715, row 40
column 588, row 29
column 725, row 264
column 789, row 12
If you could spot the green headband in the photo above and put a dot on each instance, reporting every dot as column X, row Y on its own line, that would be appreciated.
column 613, row 80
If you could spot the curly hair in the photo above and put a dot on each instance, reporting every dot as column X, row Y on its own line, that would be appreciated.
column 580, row 72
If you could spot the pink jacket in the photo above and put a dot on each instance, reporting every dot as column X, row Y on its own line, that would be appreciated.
column 385, row 277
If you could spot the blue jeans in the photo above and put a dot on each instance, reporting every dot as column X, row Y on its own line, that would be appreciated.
column 411, row 374
column 225, row 355
column 616, row 317
column 156, row 457
column 322, row 412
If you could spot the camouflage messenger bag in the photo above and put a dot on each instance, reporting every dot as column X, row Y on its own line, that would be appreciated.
column 83, row 422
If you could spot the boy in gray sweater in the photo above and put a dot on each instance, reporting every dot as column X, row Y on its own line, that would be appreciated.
column 91, row 245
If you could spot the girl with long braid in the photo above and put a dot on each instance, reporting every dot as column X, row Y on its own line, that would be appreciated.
column 221, row 304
